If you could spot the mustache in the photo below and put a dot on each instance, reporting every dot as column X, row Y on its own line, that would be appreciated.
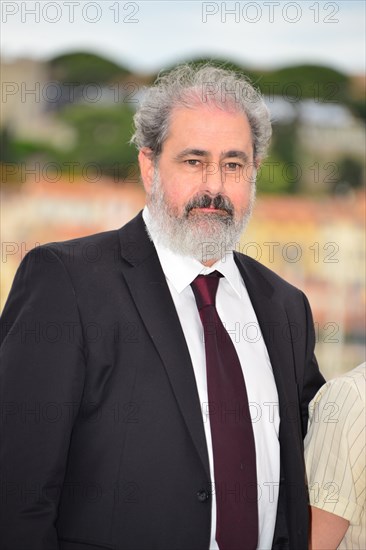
column 206, row 201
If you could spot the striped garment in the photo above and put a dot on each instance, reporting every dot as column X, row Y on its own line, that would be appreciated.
column 335, row 453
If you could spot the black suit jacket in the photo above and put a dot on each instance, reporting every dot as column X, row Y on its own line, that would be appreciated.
column 102, row 438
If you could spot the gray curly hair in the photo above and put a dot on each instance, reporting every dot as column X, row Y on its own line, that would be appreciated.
column 189, row 86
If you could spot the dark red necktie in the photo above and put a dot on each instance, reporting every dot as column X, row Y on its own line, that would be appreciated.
column 231, row 427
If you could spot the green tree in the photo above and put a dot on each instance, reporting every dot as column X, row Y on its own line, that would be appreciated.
column 84, row 68
column 103, row 134
column 350, row 174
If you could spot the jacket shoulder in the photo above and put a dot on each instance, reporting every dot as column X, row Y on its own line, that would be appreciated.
column 256, row 270
column 99, row 248
column 82, row 245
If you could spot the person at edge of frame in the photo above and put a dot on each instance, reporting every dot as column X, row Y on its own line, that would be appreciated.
column 335, row 458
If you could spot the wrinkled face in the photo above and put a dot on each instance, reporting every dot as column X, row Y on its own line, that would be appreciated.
column 204, row 183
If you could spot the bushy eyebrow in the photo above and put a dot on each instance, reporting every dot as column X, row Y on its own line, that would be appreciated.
column 234, row 154
column 202, row 153
column 194, row 152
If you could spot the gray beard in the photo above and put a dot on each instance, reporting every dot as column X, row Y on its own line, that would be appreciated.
column 202, row 236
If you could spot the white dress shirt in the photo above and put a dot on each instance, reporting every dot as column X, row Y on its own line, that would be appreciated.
column 237, row 315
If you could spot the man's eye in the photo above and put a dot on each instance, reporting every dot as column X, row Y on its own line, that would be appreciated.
column 193, row 162
column 232, row 166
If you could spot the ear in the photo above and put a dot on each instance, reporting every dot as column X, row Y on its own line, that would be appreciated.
column 146, row 163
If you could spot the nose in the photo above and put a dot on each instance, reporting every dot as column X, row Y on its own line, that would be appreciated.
column 212, row 178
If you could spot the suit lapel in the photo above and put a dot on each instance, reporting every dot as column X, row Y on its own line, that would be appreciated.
column 149, row 290
column 274, row 325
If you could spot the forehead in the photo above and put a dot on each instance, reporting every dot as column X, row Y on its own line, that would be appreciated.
column 208, row 127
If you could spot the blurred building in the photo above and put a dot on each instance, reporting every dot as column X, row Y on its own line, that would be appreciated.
column 26, row 93
column 331, row 129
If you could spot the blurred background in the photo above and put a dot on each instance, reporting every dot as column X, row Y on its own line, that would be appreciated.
column 73, row 74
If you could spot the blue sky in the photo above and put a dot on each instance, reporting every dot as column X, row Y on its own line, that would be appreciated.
column 151, row 35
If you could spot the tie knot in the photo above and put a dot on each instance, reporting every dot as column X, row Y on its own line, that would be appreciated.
column 204, row 289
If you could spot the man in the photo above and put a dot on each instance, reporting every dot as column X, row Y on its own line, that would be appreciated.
column 335, row 457
column 162, row 421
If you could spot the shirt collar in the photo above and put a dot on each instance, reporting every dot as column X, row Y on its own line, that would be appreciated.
column 181, row 270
